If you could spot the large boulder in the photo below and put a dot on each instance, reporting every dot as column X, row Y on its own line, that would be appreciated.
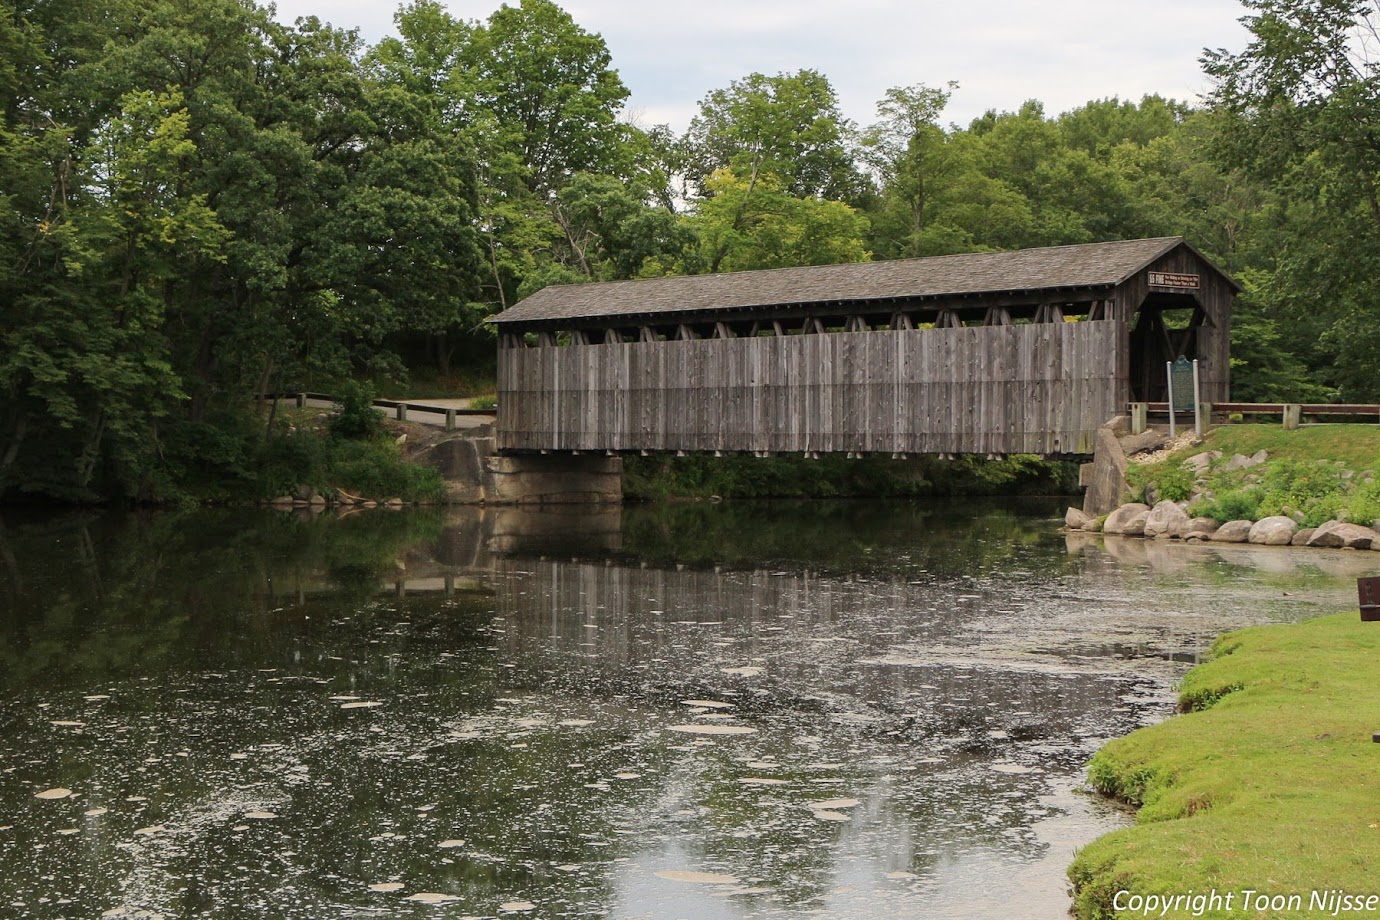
column 1166, row 519
column 1075, row 519
column 1273, row 531
column 1242, row 462
column 1202, row 525
column 1303, row 536
column 1128, row 520
column 1233, row 532
column 1199, row 463
column 1150, row 439
column 1337, row 534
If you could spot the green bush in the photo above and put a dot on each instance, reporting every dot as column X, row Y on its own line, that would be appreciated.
column 1236, row 505
column 355, row 417
column 1169, row 479
column 1363, row 504
column 376, row 469
column 489, row 401
column 288, row 460
column 373, row 468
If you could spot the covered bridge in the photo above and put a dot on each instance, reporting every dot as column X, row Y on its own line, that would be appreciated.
column 993, row 353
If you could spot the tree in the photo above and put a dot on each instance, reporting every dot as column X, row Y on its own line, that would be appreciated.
column 610, row 231
column 234, row 206
column 551, row 89
column 789, row 126
column 905, row 150
column 1300, row 109
column 753, row 223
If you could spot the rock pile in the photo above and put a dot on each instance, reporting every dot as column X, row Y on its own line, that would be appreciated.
column 1170, row 520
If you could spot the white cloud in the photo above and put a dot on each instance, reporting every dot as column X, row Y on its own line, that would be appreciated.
column 1002, row 52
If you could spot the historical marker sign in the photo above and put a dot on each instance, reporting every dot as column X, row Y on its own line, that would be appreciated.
column 1174, row 280
column 1181, row 385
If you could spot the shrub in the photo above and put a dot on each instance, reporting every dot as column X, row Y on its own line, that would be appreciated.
column 287, row 461
column 1168, row 479
column 1363, row 504
column 355, row 417
column 1236, row 505
column 375, row 469
column 489, row 401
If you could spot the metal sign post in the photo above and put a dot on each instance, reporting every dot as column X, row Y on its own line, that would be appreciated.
column 1169, row 377
column 1197, row 403
column 1182, row 376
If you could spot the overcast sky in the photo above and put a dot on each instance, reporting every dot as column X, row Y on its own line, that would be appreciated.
column 1001, row 52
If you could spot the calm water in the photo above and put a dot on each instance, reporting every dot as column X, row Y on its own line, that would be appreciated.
column 699, row 711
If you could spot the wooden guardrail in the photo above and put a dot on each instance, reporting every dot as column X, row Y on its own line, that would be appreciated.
column 1291, row 413
column 400, row 409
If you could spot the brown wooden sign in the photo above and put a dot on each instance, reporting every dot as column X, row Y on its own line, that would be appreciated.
column 1174, row 280
column 1369, row 591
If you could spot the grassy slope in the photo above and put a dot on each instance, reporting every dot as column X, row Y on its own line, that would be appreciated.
column 1357, row 446
column 1274, row 786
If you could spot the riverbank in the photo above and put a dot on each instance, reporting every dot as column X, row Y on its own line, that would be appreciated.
column 1268, row 782
column 1315, row 486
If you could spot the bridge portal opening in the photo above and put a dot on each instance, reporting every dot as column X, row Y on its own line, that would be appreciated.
column 1168, row 326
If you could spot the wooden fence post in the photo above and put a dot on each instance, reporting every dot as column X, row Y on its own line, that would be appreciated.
column 301, row 400
column 450, row 420
column 1292, row 415
column 402, row 412
column 1140, row 417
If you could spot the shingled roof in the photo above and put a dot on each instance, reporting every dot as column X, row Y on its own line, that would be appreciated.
column 1088, row 265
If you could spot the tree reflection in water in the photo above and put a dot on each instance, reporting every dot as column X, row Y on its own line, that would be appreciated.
column 948, row 668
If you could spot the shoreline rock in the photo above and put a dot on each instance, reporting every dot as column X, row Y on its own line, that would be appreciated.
column 1336, row 534
column 1169, row 520
column 1128, row 520
column 1273, row 531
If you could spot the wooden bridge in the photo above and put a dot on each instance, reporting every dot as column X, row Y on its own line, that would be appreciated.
column 989, row 353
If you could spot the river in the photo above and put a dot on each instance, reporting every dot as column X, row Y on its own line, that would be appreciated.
column 715, row 712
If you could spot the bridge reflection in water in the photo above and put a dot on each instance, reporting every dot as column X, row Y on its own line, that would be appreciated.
column 603, row 705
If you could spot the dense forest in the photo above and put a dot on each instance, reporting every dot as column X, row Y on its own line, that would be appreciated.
column 200, row 204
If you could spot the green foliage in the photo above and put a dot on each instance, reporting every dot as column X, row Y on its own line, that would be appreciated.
column 1235, row 505
column 834, row 476
column 205, row 205
column 788, row 126
column 1169, row 479
column 355, row 417
column 376, row 470
column 371, row 467
column 753, row 223
column 489, row 401
column 1298, row 107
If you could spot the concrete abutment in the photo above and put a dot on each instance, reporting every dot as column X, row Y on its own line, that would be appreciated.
column 476, row 474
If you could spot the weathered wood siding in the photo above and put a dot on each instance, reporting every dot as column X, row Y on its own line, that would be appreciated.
column 1029, row 388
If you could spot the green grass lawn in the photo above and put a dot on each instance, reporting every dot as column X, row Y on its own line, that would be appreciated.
column 1358, row 446
column 1269, row 782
